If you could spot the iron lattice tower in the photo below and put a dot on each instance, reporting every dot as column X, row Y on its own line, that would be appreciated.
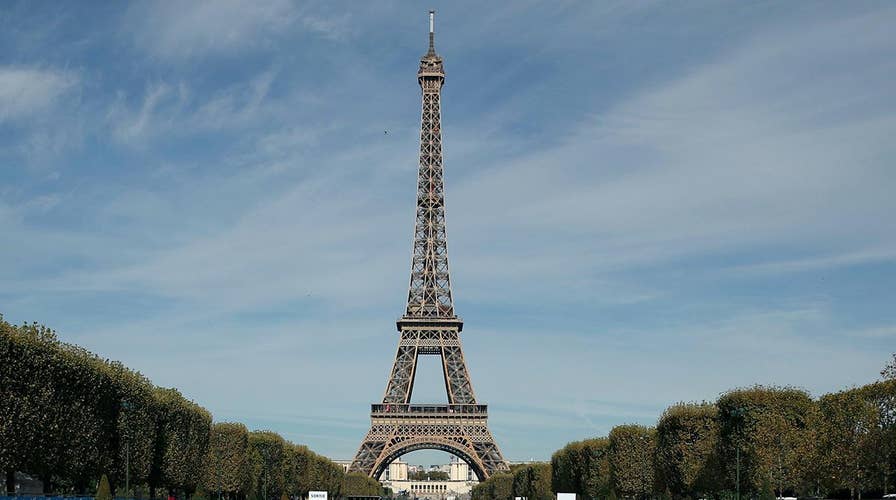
column 429, row 327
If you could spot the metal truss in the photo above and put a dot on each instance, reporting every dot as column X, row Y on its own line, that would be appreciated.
column 429, row 327
column 416, row 342
column 429, row 292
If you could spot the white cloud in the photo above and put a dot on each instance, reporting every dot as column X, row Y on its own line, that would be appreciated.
column 132, row 125
column 738, row 155
column 27, row 91
column 811, row 263
column 175, row 110
column 184, row 31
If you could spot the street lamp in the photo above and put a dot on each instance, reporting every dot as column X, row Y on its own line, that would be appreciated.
column 265, row 465
column 739, row 413
column 125, row 405
column 218, row 467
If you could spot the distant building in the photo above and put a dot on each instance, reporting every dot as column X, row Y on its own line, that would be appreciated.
column 397, row 471
column 459, row 484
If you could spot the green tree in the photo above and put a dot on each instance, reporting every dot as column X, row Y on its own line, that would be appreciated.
column 296, row 470
column 582, row 467
column 67, row 415
column 58, row 404
column 135, row 424
column 687, row 437
column 183, row 432
column 199, row 494
column 564, row 468
column 269, row 450
column 631, row 460
column 498, row 486
column 103, row 491
column 227, row 460
column 357, row 484
column 847, row 438
column 501, row 486
column 882, row 395
column 889, row 371
column 774, row 429
column 533, row 481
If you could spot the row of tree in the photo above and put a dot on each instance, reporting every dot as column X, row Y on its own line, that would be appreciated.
column 69, row 417
column 532, row 481
column 428, row 475
column 762, row 441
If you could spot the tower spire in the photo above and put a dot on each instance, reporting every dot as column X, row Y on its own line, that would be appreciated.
column 429, row 292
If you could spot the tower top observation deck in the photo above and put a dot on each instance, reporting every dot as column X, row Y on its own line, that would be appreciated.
column 431, row 66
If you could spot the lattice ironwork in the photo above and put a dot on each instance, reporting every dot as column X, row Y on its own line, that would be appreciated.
column 429, row 327
column 429, row 292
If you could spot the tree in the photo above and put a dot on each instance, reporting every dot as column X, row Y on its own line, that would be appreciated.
column 848, row 420
column 777, row 451
column 533, row 481
column 67, row 415
column 889, row 371
column 687, row 436
column 428, row 475
column 103, row 492
column 183, row 433
column 227, row 460
column 324, row 475
column 857, row 436
column 501, row 486
column 199, row 494
column 498, row 486
column 882, row 395
column 269, row 451
column 773, row 428
column 135, row 424
column 582, row 467
column 631, row 460
column 59, row 405
column 357, row 484
column 297, row 471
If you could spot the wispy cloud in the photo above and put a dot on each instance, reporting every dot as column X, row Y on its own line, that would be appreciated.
column 198, row 28
column 25, row 91
column 226, row 28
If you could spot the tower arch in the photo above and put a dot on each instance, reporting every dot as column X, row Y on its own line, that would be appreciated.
column 416, row 444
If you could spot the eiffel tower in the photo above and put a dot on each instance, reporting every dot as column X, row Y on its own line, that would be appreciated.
column 429, row 327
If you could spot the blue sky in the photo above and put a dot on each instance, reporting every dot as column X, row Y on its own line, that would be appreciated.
column 648, row 202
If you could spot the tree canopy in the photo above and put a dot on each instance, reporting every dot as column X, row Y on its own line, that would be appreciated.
column 70, row 417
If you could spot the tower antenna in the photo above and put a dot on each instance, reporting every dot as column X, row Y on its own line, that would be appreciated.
column 432, row 30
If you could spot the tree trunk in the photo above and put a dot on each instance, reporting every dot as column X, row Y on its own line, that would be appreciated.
column 10, row 482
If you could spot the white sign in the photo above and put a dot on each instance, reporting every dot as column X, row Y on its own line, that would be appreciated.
column 317, row 495
column 566, row 496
